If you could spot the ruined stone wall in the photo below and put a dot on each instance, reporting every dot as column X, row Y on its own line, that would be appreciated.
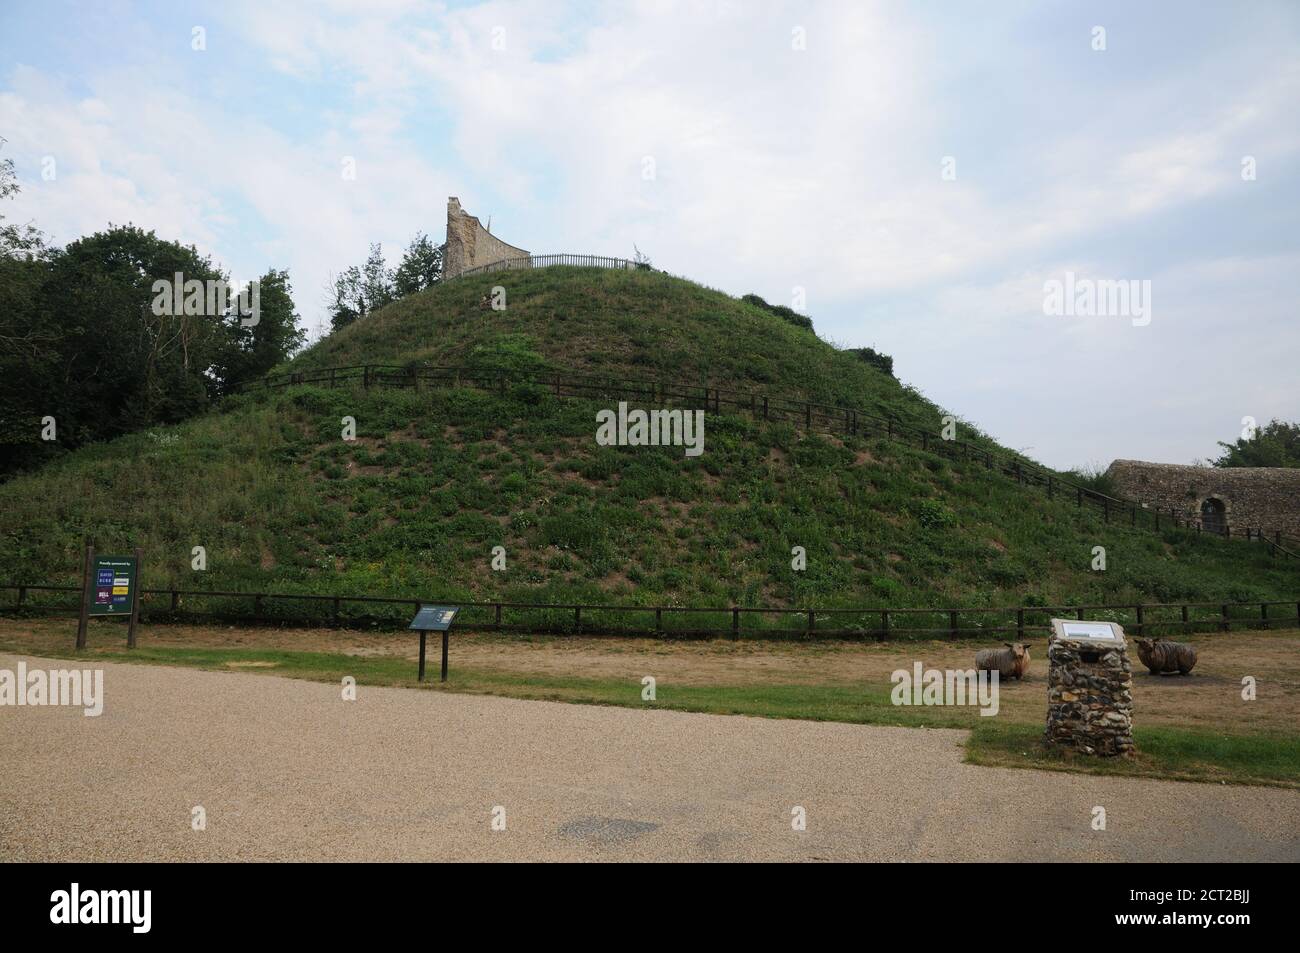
column 469, row 244
column 1266, row 498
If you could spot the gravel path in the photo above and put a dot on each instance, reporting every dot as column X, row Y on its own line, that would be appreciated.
column 286, row 770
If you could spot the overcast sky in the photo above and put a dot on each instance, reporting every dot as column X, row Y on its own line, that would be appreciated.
column 919, row 170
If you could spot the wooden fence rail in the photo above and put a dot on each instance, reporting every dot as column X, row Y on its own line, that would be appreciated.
column 879, row 623
column 812, row 416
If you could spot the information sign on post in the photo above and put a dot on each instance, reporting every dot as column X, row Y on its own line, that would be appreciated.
column 434, row 619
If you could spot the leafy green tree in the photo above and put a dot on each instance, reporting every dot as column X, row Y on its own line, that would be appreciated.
column 421, row 267
column 358, row 291
column 1276, row 444
column 90, row 340
column 253, row 349
column 23, row 257
column 24, row 337
column 17, row 241
column 376, row 280
column 134, row 366
column 347, row 298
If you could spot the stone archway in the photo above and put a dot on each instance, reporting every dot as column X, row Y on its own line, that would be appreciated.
column 1214, row 516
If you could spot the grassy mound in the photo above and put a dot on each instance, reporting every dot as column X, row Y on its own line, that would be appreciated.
column 436, row 479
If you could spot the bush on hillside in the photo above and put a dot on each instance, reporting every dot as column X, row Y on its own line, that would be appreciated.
column 882, row 362
column 781, row 311
column 1093, row 477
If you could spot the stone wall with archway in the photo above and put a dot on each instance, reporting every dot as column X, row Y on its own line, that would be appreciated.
column 1266, row 498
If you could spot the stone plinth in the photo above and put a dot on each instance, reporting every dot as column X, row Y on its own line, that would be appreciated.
column 1089, row 689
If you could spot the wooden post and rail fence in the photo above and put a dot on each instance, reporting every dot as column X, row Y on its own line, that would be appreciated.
column 877, row 623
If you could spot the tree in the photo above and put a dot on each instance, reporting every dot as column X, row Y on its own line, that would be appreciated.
column 359, row 291
column 1276, row 444
column 23, row 257
column 421, row 267
column 348, row 299
column 133, row 364
column 252, row 350
column 88, row 340
column 376, row 280
column 17, row 241
column 24, row 337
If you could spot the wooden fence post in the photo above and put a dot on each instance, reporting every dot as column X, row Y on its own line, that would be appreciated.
column 1020, row 625
column 135, row 598
column 1139, row 620
column 87, row 569
column 735, row 623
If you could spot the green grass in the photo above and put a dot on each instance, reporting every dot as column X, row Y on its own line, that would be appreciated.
column 1163, row 752
column 1177, row 754
column 437, row 479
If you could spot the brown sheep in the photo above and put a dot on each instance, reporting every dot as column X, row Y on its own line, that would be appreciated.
column 1010, row 662
column 1166, row 658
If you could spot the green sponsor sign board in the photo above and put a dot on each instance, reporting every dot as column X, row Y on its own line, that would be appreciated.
column 112, row 585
